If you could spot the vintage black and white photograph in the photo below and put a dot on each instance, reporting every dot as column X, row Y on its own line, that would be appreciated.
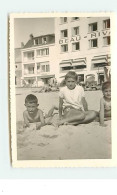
column 60, row 82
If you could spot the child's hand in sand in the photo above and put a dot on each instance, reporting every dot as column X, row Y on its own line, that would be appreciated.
column 38, row 126
column 26, row 125
column 103, row 125
column 56, row 123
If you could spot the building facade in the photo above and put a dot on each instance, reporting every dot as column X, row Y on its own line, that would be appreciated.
column 18, row 67
column 38, row 61
column 83, row 45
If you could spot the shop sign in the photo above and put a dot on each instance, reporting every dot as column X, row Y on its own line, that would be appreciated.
column 73, row 39
column 88, row 36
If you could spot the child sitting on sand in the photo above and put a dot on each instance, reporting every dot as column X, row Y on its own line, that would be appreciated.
column 73, row 108
column 105, row 103
column 34, row 115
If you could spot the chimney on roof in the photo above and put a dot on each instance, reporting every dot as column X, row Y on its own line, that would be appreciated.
column 31, row 36
column 22, row 44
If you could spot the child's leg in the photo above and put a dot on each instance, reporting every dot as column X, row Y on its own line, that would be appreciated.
column 106, row 117
column 90, row 115
column 73, row 116
column 50, row 113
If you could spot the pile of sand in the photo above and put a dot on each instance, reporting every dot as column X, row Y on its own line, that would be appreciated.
column 85, row 141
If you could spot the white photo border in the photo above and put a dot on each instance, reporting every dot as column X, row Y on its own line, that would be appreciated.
column 61, row 163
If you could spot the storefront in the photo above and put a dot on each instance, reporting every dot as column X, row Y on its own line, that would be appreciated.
column 78, row 65
column 29, row 82
column 99, row 64
column 45, row 78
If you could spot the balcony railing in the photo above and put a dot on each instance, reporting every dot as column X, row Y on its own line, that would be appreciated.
column 28, row 59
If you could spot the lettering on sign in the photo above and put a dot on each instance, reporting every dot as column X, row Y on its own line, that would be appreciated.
column 97, row 34
column 91, row 35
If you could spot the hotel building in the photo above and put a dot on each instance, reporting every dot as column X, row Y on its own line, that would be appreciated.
column 38, row 60
column 83, row 45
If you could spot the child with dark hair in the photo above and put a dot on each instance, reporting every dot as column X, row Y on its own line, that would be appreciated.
column 73, row 108
column 105, row 103
column 33, row 114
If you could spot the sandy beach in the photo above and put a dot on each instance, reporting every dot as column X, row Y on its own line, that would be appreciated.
column 85, row 141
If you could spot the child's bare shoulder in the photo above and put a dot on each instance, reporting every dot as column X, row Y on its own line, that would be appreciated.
column 102, row 100
column 40, row 111
column 25, row 112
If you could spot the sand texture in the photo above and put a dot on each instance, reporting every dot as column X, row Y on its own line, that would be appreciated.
column 85, row 141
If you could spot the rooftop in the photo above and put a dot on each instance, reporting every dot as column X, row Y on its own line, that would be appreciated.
column 50, row 38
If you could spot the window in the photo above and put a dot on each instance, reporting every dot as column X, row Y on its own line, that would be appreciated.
column 81, row 78
column 93, row 43
column 75, row 31
column 64, row 33
column 75, row 46
column 63, row 20
column 28, row 56
column 28, row 69
column 106, row 24
column 38, row 68
column 106, row 40
column 62, row 69
column 64, row 48
column 75, row 18
column 45, row 68
column 36, row 42
column 43, row 52
column 44, row 40
column 31, row 70
column 93, row 27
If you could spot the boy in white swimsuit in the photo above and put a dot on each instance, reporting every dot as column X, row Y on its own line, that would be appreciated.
column 105, row 103
column 73, row 108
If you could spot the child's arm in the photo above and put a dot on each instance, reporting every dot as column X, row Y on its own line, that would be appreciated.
column 42, row 120
column 85, row 105
column 101, row 113
column 60, row 107
column 26, row 122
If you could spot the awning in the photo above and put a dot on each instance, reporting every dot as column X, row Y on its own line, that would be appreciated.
column 46, row 76
column 89, row 75
column 79, row 61
column 99, row 59
column 44, row 63
column 109, row 59
column 73, row 62
column 65, row 63
column 29, row 78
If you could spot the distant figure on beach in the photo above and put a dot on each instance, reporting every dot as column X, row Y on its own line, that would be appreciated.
column 33, row 114
column 73, row 108
column 105, row 103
